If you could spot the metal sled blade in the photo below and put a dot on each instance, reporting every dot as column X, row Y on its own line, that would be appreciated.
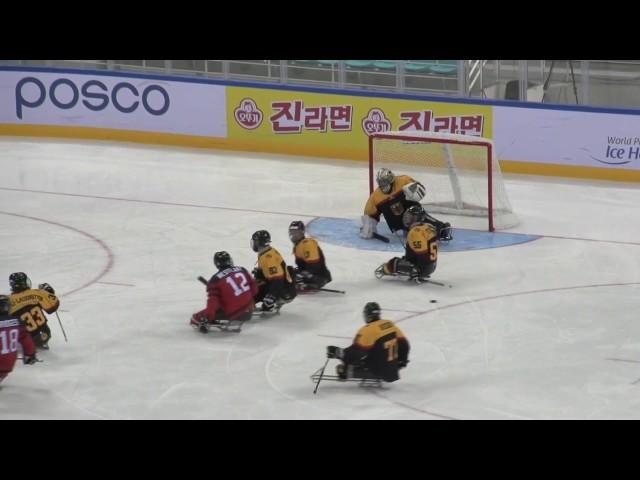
column 362, row 382
column 229, row 326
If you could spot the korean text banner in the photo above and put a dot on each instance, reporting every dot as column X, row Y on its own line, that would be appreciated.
column 338, row 125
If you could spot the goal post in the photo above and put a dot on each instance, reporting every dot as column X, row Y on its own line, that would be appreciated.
column 461, row 173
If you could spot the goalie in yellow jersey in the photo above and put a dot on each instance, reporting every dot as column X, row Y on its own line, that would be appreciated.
column 274, row 278
column 394, row 195
column 421, row 250
column 311, row 272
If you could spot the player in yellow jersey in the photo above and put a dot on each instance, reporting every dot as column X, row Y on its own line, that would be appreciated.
column 274, row 278
column 394, row 195
column 28, row 304
column 311, row 272
column 379, row 350
column 421, row 249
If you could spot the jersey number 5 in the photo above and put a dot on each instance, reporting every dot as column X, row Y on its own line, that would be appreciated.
column 433, row 252
column 238, row 290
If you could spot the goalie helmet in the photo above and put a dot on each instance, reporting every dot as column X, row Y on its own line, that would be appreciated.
column 222, row 260
column 371, row 312
column 259, row 240
column 385, row 179
column 413, row 214
column 4, row 305
column 296, row 231
column 19, row 281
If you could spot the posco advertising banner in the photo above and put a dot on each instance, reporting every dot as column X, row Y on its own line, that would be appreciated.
column 569, row 138
column 545, row 141
column 339, row 125
column 122, row 103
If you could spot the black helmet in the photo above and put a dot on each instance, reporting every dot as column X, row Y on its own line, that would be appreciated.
column 4, row 304
column 413, row 214
column 259, row 240
column 222, row 260
column 296, row 231
column 371, row 312
column 19, row 282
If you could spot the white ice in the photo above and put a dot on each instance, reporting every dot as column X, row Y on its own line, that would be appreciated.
column 543, row 330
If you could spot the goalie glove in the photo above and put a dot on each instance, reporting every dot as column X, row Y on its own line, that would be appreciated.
column 414, row 192
column 47, row 288
column 369, row 225
column 334, row 352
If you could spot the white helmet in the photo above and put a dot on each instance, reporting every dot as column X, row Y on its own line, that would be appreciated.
column 385, row 179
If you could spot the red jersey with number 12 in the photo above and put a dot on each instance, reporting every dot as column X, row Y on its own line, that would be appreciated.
column 230, row 290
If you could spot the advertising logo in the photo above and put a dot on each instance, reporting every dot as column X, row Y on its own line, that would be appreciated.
column 65, row 94
column 376, row 122
column 248, row 115
column 619, row 150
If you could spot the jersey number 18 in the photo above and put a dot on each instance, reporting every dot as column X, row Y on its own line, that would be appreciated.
column 8, row 343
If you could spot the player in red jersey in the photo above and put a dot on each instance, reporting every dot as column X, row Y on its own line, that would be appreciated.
column 231, row 293
column 12, row 332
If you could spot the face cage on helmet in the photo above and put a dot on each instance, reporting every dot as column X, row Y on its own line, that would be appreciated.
column 26, row 285
column 370, row 316
column 223, row 263
column 385, row 185
column 296, row 235
column 410, row 219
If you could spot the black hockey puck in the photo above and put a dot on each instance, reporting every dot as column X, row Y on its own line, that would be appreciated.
column 433, row 301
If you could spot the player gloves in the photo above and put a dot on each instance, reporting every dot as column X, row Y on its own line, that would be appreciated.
column 334, row 352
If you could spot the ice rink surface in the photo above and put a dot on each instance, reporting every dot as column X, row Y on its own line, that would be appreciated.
column 545, row 329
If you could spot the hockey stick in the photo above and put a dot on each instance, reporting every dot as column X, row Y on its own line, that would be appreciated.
column 320, row 376
column 382, row 238
column 202, row 280
column 62, row 328
column 331, row 290
column 37, row 359
column 440, row 284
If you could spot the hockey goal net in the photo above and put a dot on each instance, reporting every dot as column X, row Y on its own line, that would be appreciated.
column 461, row 174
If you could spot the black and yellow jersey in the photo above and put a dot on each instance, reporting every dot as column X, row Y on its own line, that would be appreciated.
column 273, row 266
column 309, row 256
column 380, row 344
column 277, row 276
column 391, row 205
column 29, row 304
column 422, row 242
